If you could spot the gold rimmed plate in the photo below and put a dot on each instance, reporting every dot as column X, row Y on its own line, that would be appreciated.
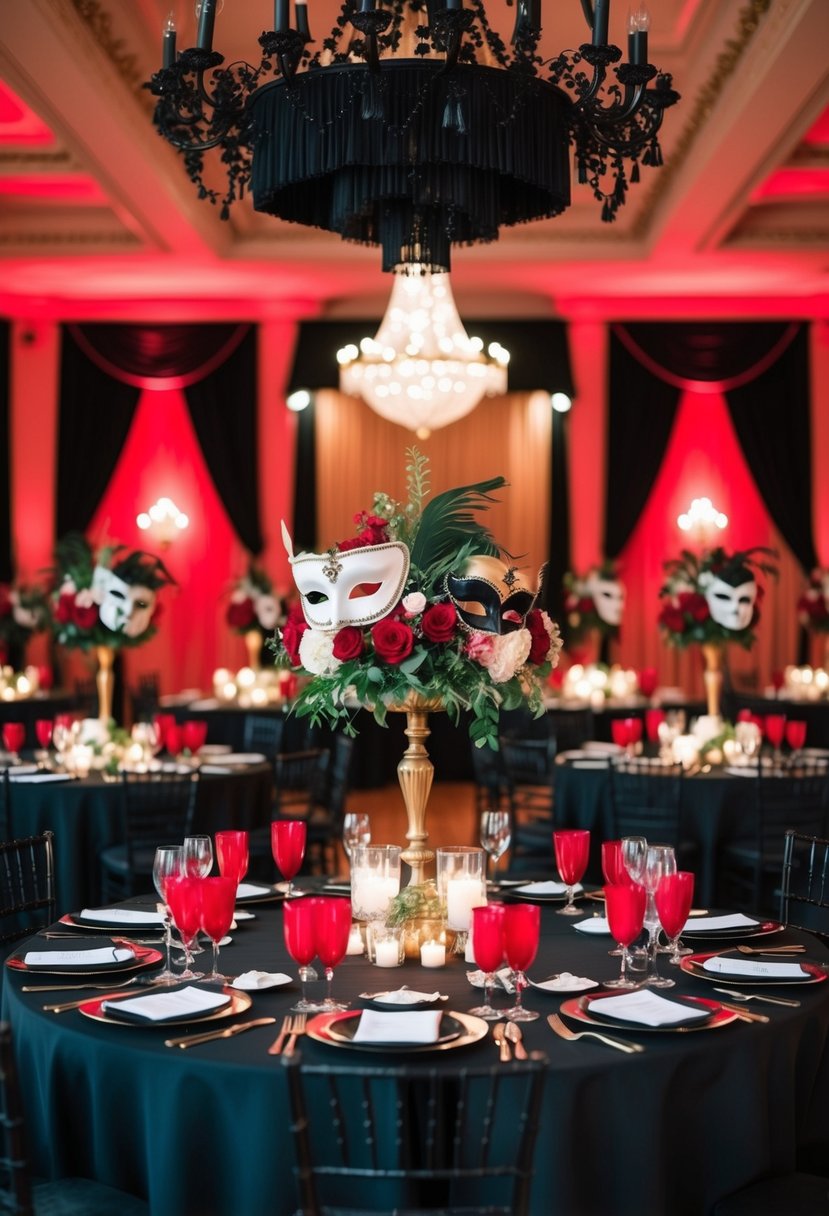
column 332, row 1028
column 761, row 929
column 73, row 921
column 143, row 957
column 578, row 1008
column 261, row 893
column 692, row 964
column 238, row 1002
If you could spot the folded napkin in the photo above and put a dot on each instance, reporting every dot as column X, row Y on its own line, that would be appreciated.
column 168, row 1006
column 593, row 924
column 566, row 983
column 104, row 956
column 733, row 920
column 422, row 1026
column 502, row 977
column 589, row 764
column 748, row 967
column 597, row 745
column 549, row 887
column 405, row 996
column 121, row 916
column 646, row 1009
column 43, row 777
column 16, row 771
column 251, row 981
column 249, row 890
column 244, row 758
column 215, row 769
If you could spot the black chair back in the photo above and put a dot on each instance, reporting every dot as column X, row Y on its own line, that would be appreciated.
column 529, row 764
column 383, row 1139
column 646, row 799
column 158, row 808
column 263, row 733
column 27, row 887
column 805, row 887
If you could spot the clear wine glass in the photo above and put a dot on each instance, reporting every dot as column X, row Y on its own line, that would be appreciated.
column 488, row 948
column 288, row 838
column 356, row 831
column 674, row 897
column 197, row 859
column 167, row 864
column 625, row 906
column 332, row 928
column 184, row 900
column 572, row 850
column 522, row 926
column 218, row 902
column 496, row 834
column 660, row 860
column 299, row 928
column 634, row 852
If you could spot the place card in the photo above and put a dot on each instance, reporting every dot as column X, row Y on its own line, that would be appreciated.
column 754, row 967
column 104, row 956
column 646, row 1009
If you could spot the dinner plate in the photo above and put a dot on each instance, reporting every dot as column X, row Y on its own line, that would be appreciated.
column 345, row 1029
column 692, row 965
column 238, row 1003
column 143, row 958
column 73, row 921
column 567, row 983
column 761, row 929
column 243, row 758
column 536, row 897
column 578, row 1008
column 322, row 1029
column 215, row 749
column 262, row 893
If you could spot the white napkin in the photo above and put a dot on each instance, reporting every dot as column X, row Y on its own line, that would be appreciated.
column 593, row 924
column 566, row 983
column 421, row 1026
column 751, row 967
column 733, row 920
column 244, row 758
column 251, row 981
column 162, row 1006
column 503, row 977
column 101, row 957
column 246, row 890
column 21, row 770
column 204, row 703
column 405, row 996
column 215, row 769
column 589, row 764
column 550, row 887
column 43, row 778
column 121, row 916
column 596, row 745
column 645, row 1009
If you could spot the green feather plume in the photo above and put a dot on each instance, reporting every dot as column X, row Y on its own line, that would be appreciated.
column 449, row 530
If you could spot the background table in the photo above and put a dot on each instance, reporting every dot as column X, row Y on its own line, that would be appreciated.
column 43, row 705
column 814, row 713
column 205, row 1132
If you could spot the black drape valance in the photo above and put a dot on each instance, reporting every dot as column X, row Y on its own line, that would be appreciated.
column 763, row 370
column 103, row 369
column 5, row 455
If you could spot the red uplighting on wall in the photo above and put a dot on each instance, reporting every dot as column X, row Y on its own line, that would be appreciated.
column 18, row 123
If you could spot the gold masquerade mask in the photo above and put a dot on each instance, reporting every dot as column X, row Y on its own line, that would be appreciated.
column 490, row 596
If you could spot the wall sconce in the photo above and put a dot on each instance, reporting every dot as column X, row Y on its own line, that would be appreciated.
column 165, row 520
column 703, row 520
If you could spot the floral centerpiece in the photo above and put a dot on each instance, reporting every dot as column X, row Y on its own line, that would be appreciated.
column 24, row 611
column 253, row 604
column 713, row 597
column 813, row 605
column 444, row 619
column 594, row 601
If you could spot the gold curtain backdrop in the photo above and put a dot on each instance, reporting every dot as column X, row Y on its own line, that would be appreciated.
column 358, row 453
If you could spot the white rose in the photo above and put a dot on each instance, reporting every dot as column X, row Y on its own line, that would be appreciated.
column 413, row 603
column 316, row 653
column 86, row 598
column 25, row 617
column 509, row 653
column 556, row 643
column 266, row 608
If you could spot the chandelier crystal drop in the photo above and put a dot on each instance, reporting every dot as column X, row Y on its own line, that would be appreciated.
column 421, row 370
column 413, row 125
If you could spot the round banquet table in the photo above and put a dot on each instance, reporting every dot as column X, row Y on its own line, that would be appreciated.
column 86, row 817
column 204, row 1132
column 814, row 713
column 30, row 709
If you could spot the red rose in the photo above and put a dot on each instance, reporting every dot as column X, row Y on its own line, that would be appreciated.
column 672, row 618
column 348, row 643
column 292, row 632
column 240, row 613
column 439, row 622
column 393, row 640
column 694, row 604
column 354, row 542
column 63, row 610
column 540, row 644
column 586, row 605
column 85, row 618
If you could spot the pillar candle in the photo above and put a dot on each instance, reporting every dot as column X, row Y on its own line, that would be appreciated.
column 462, row 895
column 387, row 952
column 433, row 954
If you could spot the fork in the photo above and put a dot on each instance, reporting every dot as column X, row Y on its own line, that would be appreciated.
column 298, row 1027
column 755, row 996
column 793, row 949
column 571, row 1036
column 275, row 1048
column 78, row 987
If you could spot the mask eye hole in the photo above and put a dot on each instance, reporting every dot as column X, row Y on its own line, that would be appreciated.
column 317, row 597
column 512, row 616
column 362, row 590
column 115, row 594
column 721, row 595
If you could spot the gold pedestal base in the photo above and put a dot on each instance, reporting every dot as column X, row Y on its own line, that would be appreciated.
column 712, row 677
column 415, row 772
column 104, row 681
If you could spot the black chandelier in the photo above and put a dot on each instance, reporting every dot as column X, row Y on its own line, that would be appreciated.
column 413, row 126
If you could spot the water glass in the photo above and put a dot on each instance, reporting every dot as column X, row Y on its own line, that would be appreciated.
column 356, row 830
column 660, row 861
column 167, row 864
column 496, row 835
column 375, row 880
column 461, row 882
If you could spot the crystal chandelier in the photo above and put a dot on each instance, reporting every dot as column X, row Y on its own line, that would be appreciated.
column 413, row 126
column 421, row 369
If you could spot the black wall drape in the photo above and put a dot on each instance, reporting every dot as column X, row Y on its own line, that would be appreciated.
column 304, row 534
column 103, row 369
column 5, row 455
column 559, row 560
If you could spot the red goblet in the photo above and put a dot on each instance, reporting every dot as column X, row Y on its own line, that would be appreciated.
column 232, row 854
column 613, row 865
column 572, row 849
column 774, row 726
column 619, row 731
column 653, row 720
column 522, row 925
column 43, row 731
column 288, row 838
column 162, row 723
column 332, row 928
column 44, row 677
column 172, row 738
column 218, row 901
column 194, row 735
column 795, row 734
column 674, row 897
column 488, row 948
column 14, row 736
column 648, row 681
column 183, row 897
column 625, row 907
column 299, row 927
column 634, row 728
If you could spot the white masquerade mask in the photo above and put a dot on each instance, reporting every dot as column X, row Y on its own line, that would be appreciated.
column 357, row 587
column 124, row 607
column 608, row 599
column 731, row 607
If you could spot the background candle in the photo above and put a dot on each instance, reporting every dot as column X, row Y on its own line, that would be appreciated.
column 433, row 954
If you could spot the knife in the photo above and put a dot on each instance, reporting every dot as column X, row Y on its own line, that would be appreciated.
column 744, row 1013
column 228, row 1033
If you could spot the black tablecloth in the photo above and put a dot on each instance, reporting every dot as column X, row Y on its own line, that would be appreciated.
column 205, row 1132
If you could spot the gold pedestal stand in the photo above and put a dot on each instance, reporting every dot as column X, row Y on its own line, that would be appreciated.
column 253, row 645
column 104, row 681
column 712, row 653
column 415, row 772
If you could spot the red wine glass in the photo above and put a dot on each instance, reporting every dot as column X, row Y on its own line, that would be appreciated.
column 43, row 731
column 774, row 726
column 572, row 849
column 648, row 681
column 194, row 735
column 299, row 928
column 332, row 928
column 14, row 736
column 625, row 907
column 614, row 871
column 619, row 731
column 653, row 720
column 218, row 903
column 172, row 738
column 488, row 948
column 795, row 734
column 232, row 854
column 288, row 838
column 522, row 926
column 674, row 897
column 634, row 732
column 184, row 901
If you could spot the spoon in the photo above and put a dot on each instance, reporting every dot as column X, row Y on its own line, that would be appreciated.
column 772, row 950
column 513, row 1033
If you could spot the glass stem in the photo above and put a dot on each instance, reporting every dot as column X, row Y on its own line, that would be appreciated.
column 168, row 939
column 329, row 976
column 518, row 980
column 489, row 987
column 303, row 980
column 215, row 957
column 623, row 973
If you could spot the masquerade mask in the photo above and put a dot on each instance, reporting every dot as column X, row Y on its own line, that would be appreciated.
column 490, row 596
column 125, row 607
column 357, row 587
column 608, row 599
column 731, row 606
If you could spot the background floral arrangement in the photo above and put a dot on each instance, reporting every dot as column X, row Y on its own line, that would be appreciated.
column 24, row 610
column 812, row 607
column 253, row 604
column 76, row 602
column 420, row 647
column 580, row 606
column 685, row 616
